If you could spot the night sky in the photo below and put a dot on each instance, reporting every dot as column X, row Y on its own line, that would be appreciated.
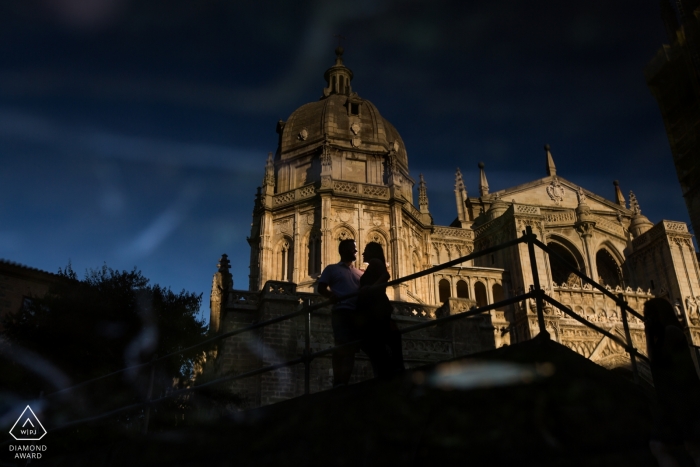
column 135, row 133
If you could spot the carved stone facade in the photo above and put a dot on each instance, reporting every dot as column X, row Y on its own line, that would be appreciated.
column 341, row 171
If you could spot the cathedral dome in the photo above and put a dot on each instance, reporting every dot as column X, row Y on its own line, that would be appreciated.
column 345, row 119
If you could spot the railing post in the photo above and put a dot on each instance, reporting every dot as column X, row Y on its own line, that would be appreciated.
column 536, row 280
column 307, row 348
column 623, row 313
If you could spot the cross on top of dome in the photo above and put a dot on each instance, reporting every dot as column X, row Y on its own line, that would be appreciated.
column 338, row 76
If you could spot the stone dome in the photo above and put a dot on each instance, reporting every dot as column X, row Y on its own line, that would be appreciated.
column 348, row 121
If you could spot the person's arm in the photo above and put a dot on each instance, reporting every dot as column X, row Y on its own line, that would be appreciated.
column 325, row 291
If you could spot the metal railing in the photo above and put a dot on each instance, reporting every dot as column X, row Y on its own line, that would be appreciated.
column 536, row 293
column 307, row 310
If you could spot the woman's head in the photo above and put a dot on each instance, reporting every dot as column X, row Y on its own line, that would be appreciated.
column 659, row 312
column 373, row 250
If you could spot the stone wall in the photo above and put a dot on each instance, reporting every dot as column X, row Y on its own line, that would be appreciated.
column 285, row 340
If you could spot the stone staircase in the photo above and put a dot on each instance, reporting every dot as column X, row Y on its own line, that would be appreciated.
column 562, row 410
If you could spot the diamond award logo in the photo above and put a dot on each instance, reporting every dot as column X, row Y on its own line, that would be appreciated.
column 28, row 427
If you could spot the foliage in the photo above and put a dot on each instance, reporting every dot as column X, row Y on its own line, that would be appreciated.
column 106, row 322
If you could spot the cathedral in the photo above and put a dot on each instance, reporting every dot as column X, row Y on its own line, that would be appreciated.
column 341, row 171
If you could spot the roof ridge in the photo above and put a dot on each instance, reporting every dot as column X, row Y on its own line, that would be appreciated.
column 23, row 266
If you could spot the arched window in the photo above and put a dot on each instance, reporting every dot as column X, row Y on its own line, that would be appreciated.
column 497, row 293
column 314, row 254
column 608, row 270
column 480, row 294
column 444, row 290
column 287, row 261
column 560, row 273
column 462, row 289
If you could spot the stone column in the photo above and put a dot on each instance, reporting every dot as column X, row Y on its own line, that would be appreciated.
column 395, row 221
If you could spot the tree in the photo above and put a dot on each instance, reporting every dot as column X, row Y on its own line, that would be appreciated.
column 108, row 321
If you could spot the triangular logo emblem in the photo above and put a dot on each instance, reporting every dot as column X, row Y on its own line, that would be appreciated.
column 28, row 427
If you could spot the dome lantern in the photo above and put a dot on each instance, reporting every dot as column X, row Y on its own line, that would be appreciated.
column 338, row 77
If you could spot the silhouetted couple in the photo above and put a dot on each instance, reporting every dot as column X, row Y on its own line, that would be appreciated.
column 366, row 317
column 677, row 418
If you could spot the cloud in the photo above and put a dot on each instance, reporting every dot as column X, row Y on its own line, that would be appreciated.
column 148, row 240
column 312, row 54
column 80, row 140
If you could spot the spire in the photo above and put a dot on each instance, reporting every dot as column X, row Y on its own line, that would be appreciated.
column 338, row 77
column 634, row 204
column 220, row 287
column 551, row 169
column 618, row 195
column 326, row 159
column 224, row 264
column 639, row 224
column 269, row 171
column 326, row 163
column 483, row 184
column 422, row 195
column 460, row 195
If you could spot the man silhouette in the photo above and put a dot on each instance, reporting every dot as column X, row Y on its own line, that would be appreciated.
column 338, row 280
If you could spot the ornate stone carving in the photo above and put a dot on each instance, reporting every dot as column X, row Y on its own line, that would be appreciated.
column 634, row 204
column 676, row 226
column 373, row 218
column 344, row 234
column 691, row 308
column 581, row 196
column 560, row 217
column 609, row 226
column 284, row 198
column 345, row 187
column 374, row 190
column 307, row 191
column 681, row 242
column 303, row 134
column 326, row 164
column 412, row 209
column 376, row 237
column 525, row 209
column 344, row 215
column 453, row 232
column 284, row 226
column 277, row 288
column 240, row 299
column 555, row 191
column 422, row 195
column 355, row 128
column 414, row 310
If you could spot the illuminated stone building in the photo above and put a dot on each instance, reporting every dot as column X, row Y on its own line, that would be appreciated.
column 341, row 171
column 673, row 77
column 19, row 283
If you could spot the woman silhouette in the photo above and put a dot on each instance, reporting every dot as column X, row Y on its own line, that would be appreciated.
column 381, row 339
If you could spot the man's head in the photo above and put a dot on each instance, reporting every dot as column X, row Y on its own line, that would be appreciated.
column 347, row 250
